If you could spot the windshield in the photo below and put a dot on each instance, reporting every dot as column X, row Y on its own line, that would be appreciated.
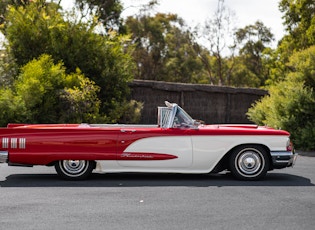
column 174, row 116
column 182, row 119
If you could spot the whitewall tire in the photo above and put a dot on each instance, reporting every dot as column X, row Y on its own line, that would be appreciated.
column 249, row 162
column 74, row 169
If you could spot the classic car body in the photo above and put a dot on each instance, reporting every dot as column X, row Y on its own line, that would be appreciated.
column 177, row 144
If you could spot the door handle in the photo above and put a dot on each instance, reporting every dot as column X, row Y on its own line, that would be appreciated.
column 128, row 130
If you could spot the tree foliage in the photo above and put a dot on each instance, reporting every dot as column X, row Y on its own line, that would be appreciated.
column 299, row 21
column 163, row 51
column 44, row 93
column 4, row 7
column 290, row 104
column 32, row 30
column 252, row 41
column 217, row 32
column 106, row 11
column 37, row 29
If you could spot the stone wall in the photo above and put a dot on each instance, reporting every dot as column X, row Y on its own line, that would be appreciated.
column 212, row 104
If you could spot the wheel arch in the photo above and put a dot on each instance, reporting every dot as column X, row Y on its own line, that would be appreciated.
column 224, row 162
column 56, row 161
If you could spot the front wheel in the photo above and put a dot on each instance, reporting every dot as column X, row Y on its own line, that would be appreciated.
column 249, row 162
column 74, row 169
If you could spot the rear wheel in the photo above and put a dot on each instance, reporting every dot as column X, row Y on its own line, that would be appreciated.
column 74, row 169
column 249, row 162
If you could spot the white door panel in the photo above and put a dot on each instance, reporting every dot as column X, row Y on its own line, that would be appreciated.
column 179, row 146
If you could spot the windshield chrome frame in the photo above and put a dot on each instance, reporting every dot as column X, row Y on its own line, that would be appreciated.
column 170, row 112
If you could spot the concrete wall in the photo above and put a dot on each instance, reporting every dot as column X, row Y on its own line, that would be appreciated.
column 212, row 104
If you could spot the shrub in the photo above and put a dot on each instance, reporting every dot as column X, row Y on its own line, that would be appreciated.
column 290, row 104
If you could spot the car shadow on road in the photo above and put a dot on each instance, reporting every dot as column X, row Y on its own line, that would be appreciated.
column 152, row 180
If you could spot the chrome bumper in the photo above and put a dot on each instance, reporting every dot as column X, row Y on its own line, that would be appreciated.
column 282, row 159
column 3, row 156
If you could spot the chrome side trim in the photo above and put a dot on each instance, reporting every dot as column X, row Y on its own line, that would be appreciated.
column 4, row 156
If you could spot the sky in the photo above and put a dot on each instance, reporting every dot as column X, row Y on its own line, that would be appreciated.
column 194, row 12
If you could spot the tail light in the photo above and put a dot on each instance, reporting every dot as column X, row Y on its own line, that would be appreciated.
column 289, row 146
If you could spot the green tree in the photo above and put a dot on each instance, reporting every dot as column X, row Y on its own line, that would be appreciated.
column 163, row 51
column 217, row 32
column 252, row 41
column 7, row 70
column 44, row 93
column 240, row 74
column 81, row 102
column 299, row 21
column 32, row 30
column 4, row 5
column 12, row 107
column 37, row 29
column 150, row 46
column 107, row 11
column 182, row 63
column 290, row 104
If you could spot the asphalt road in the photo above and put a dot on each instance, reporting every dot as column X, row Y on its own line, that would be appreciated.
column 35, row 198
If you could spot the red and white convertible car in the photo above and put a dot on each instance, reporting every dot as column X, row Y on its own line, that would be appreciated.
column 177, row 144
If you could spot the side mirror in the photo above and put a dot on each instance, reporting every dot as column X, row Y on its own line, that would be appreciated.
column 198, row 122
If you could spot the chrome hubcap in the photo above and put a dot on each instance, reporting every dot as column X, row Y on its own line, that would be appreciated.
column 249, row 162
column 74, row 166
